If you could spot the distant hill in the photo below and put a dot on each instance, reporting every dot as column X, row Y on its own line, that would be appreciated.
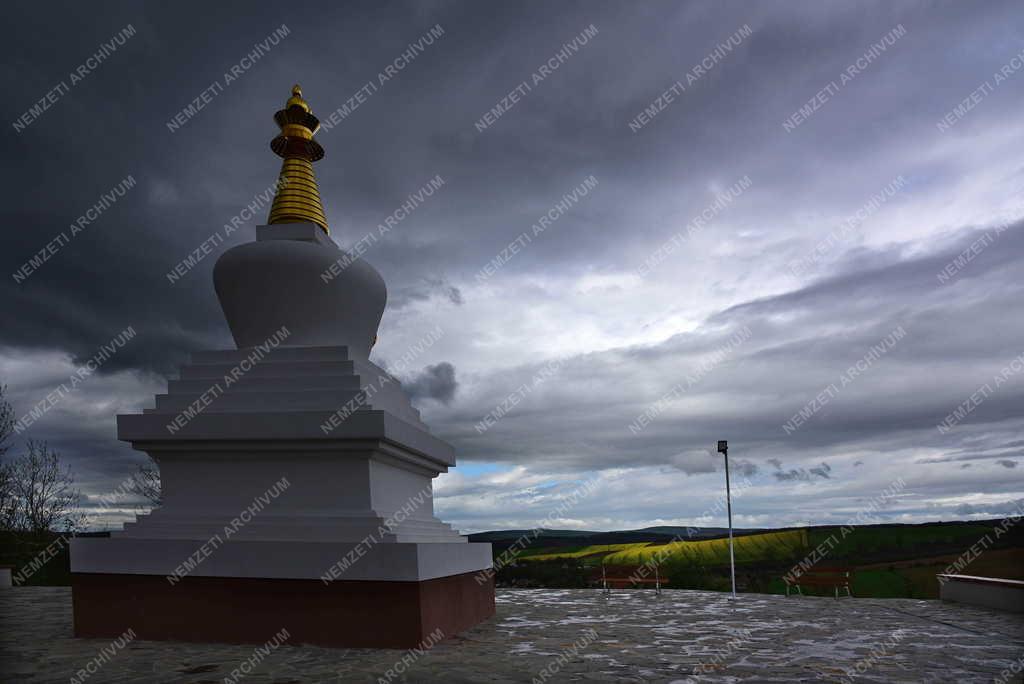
column 666, row 533
column 701, row 532
column 558, row 538
column 885, row 560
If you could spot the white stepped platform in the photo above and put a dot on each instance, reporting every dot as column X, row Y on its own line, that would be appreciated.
column 395, row 562
column 363, row 479
column 288, row 379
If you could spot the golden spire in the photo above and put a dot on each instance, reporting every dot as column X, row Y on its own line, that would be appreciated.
column 298, row 197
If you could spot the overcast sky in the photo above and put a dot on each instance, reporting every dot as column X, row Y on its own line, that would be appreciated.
column 821, row 275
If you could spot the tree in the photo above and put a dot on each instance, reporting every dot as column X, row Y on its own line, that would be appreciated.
column 147, row 482
column 6, row 421
column 8, row 502
column 44, row 491
column 7, row 497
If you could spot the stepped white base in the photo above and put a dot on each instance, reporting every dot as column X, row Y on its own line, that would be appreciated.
column 392, row 562
column 255, row 485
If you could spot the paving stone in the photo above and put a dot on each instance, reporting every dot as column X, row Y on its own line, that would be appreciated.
column 679, row 636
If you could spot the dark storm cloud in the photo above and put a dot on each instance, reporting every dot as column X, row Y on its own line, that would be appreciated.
column 433, row 382
column 899, row 397
column 821, row 471
column 423, row 291
column 746, row 468
column 803, row 475
column 214, row 165
column 419, row 124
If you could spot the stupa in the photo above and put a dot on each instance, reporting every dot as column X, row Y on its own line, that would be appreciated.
column 296, row 474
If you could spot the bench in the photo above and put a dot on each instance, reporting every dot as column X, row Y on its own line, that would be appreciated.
column 835, row 577
column 607, row 583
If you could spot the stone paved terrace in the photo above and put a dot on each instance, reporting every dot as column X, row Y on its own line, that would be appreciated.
column 639, row 637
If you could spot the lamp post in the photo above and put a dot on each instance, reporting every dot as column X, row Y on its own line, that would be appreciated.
column 723, row 448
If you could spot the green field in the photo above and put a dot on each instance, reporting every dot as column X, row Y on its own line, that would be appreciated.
column 43, row 557
column 576, row 551
column 886, row 561
column 754, row 548
column 867, row 542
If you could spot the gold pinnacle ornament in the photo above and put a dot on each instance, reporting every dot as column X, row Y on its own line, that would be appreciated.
column 298, row 197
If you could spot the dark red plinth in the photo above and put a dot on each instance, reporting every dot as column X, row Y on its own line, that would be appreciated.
column 235, row 610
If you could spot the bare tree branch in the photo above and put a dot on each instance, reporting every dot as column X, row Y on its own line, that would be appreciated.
column 45, row 495
column 147, row 482
column 6, row 420
column 7, row 497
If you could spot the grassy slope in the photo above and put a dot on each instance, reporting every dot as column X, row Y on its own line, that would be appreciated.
column 20, row 549
column 768, row 546
column 866, row 542
column 889, row 561
column 772, row 546
column 863, row 544
column 576, row 551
